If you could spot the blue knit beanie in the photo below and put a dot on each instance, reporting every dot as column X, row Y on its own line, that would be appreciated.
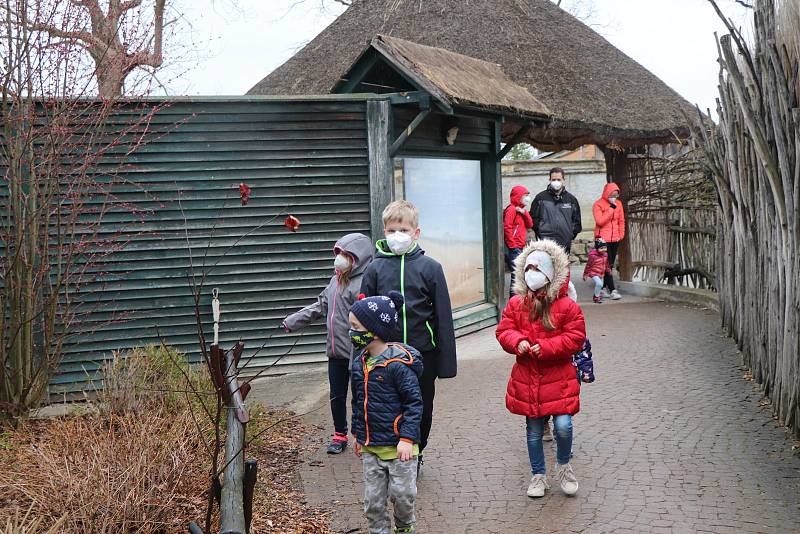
column 379, row 314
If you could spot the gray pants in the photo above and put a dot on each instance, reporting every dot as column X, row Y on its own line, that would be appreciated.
column 389, row 479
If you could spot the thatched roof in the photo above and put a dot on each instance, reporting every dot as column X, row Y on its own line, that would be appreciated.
column 595, row 92
column 455, row 79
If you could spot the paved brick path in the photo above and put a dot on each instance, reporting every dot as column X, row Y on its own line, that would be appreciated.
column 670, row 439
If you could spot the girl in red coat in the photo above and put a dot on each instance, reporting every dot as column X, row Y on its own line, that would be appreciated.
column 516, row 223
column 543, row 328
column 597, row 267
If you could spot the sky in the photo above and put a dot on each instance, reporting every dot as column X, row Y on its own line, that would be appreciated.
column 232, row 44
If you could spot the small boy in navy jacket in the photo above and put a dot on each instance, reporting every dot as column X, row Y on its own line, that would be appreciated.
column 387, row 408
column 426, row 318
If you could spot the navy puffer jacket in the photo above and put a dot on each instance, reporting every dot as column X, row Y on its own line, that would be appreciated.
column 387, row 401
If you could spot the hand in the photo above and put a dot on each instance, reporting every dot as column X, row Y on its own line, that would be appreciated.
column 285, row 328
column 524, row 347
column 404, row 451
column 520, row 210
column 536, row 350
column 357, row 449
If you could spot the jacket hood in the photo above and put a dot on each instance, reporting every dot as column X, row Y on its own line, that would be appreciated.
column 517, row 192
column 560, row 283
column 383, row 250
column 360, row 247
column 609, row 188
column 402, row 353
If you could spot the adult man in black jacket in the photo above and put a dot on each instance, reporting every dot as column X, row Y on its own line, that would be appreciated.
column 556, row 213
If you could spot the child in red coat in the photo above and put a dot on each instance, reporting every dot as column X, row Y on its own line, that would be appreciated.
column 516, row 223
column 597, row 267
column 543, row 328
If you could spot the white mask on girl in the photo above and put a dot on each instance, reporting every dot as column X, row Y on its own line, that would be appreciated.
column 526, row 199
column 342, row 263
column 399, row 242
column 535, row 280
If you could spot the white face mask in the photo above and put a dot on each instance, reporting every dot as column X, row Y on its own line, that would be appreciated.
column 613, row 200
column 556, row 185
column 526, row 199
column 399, row 242
column 535, row 280
column 342, row 263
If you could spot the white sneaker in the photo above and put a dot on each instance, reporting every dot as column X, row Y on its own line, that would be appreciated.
column 566, row 478
column 615, row 295
column 604, row 293
column 538, row 485
column 547, row 435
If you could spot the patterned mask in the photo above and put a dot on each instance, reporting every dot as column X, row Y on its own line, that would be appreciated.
column 361, row 339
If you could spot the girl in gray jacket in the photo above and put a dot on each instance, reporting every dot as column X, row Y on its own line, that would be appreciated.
column 353, row 255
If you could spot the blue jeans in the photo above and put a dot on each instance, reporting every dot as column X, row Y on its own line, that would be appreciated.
column 562, row 433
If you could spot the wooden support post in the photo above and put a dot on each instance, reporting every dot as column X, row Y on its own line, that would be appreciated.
column 381, row 171
column 492, row 202
column 232, row 504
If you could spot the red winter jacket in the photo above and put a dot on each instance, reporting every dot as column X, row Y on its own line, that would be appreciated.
column 609, row 223
column 516, row 224
column 596, row 265
column 545, row 384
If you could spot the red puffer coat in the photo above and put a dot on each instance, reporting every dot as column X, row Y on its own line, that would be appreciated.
column 545, row 384
column 609, row 223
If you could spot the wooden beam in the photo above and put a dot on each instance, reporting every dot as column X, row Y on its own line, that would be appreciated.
column 381, row 172
column 692, row 230
column 400, row 141
column 357, row 75
column 518, row 137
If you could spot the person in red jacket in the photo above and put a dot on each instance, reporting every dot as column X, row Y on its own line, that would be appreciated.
column 609, row 223
column 597, row 267
column 516, row 223
column 543, row 328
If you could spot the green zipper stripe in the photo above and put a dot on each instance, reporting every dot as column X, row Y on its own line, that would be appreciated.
column 431, row 331
column 403, row 292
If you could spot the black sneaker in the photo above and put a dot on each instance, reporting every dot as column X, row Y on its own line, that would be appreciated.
column 338, row 444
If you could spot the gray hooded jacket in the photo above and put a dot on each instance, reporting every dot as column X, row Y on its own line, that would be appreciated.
column 334, row 302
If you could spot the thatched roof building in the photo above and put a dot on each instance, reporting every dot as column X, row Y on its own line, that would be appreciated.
column 593, row 91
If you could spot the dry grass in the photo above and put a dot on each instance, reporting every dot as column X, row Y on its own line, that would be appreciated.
column 140, row 472
column 139, row 461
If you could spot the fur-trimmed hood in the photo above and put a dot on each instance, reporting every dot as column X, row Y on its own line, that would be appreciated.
column 560, row 265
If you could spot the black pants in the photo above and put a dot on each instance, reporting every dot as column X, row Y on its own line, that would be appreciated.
column 608, row 279
column 511, row 255
column 339, row 379
column 428, row 386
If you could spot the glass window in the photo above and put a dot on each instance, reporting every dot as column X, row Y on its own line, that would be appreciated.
column 447, row 193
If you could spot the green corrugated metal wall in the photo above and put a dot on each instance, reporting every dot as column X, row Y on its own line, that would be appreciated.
column 305, row 157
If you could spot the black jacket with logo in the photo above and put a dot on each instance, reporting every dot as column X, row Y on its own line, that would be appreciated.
column 556, row 216
column 426, row 319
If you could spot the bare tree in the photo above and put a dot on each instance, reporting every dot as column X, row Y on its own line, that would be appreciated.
column 119, row 36
column 60, row 162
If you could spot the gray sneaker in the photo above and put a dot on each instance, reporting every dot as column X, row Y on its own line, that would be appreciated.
column 566, row 478
column 604, row 293
column 615, row 295
column 538, row 486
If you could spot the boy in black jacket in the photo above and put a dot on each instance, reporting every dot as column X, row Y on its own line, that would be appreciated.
column 426, row 318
